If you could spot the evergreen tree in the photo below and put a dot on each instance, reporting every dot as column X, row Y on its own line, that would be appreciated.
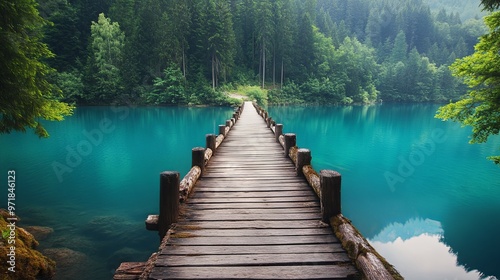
column 264, row 30
column 105, row 61
column 480, row 109
column 400, row 49
column 26, row 96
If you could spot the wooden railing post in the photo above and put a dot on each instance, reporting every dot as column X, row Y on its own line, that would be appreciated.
column 303, row 158
column 330, row 182
column 222, row 129
column 211, row 142
column 278, row 131
column 198, row 158
column 290, row 141
column 169, row 201
column 269, row 122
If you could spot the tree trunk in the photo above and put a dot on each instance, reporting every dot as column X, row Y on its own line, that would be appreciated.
column 274, row 66
column 282, row 74
column 263, row 63
column 183, row 62
column 213, row 71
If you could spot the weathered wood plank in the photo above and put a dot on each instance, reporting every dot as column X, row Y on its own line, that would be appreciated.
column 238, row 188
column 226, row 216
column 254, row 205
column 194, row 199
column 262, row 211
column 254, row 224
column 253, row 240
column 248, row 194
column 275, row 249
column 252, row 232
column 255, row 272
column 253, row 259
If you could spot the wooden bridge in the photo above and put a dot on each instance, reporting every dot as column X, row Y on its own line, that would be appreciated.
column 246, row 211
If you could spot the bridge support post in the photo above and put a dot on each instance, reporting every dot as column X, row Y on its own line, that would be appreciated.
column 169, row 201
column 330, row 182
column 278, row 131
column 290, row 141
column 303, row 158
column 198, row 158
column 269, row 122
column 211, row 140
column 222, row 129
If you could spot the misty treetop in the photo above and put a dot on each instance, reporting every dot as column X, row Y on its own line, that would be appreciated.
column 312, row 51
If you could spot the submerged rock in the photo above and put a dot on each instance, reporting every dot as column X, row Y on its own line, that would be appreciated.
column 73, row 264
column 39, row 232
column 29, row 263
column 66, row 257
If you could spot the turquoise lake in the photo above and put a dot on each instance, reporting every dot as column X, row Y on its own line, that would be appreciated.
column 426, row 199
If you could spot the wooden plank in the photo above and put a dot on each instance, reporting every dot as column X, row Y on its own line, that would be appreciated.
column 238, row 188
column 254, row 240
column 275, row 249
column 249, row 194
column 225, row 216
column 129, row 271
column 253, row 180
column 252, row 260
column 253, row 205
column 256, row 210
column 252, row 232
column 255, row 272
column 254, row 224
column 194, row 199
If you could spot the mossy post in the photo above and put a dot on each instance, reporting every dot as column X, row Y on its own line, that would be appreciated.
column 290, row 141
column 278, row 131
column 303, row 158
column 211, row 140
column 330, row 182
column 169, row 201
column 198, row 158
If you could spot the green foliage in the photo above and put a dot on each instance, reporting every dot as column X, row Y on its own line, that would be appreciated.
column 169, row 89
column 254, row 93
column 490, row 5
column 283, row 45
column 5, row 234
column 71, row 86
column 105, row 62
column 26, row 95
column 480, row 108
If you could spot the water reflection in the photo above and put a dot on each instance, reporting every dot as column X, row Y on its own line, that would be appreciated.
column 417, row 250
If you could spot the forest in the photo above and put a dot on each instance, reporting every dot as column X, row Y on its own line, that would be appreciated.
column 189, row 52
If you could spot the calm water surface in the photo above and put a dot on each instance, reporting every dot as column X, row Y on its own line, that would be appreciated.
column 427, row 200
column 96, row 179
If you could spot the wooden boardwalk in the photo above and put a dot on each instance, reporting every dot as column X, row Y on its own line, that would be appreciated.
column 251, row 217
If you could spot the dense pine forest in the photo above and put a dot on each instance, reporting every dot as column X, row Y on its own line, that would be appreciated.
column 300, row 51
